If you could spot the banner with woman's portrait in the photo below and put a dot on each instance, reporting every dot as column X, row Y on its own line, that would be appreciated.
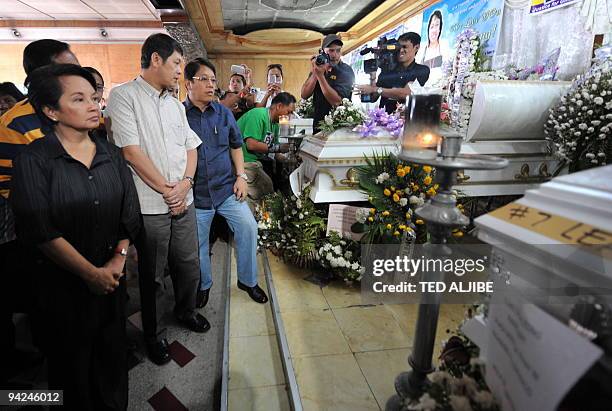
column 444, row 21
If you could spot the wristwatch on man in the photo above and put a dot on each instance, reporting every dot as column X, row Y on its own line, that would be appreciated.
column 244, row 177
column 190, row 179
column 379, row 91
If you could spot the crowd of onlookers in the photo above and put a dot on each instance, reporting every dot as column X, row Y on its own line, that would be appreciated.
column 86, row 172
column 82, row 179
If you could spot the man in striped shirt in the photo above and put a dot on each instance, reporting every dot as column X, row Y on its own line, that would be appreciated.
column 18, row 127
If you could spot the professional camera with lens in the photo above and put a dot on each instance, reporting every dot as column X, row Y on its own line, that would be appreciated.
column 385, row 58
column 322, row 58
column 385, row 54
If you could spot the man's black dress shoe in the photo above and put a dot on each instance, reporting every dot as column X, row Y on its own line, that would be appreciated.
column 256, row 293
column 196, row 323
column 158, row 352
column 202, row 298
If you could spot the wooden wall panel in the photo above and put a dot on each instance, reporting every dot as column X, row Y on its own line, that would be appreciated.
column 11, row 66
column 295, row 72
column 118, row 63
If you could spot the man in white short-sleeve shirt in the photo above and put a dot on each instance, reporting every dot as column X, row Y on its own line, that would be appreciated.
column 151, row 128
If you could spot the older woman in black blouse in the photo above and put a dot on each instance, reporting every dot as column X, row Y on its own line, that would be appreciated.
column 75, row 201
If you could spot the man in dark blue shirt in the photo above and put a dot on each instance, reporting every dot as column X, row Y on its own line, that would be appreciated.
column 392, row 86
column 217, row 188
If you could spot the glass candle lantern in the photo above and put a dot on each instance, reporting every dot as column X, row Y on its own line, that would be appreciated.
column 421, row 126
column 283, row 122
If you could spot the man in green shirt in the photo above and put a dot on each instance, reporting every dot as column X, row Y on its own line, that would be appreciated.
column 259, row 128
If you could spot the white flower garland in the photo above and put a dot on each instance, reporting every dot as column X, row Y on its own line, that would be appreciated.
column 468, row 44
column 579, row 128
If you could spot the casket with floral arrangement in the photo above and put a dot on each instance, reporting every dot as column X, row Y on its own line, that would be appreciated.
column 330, row 158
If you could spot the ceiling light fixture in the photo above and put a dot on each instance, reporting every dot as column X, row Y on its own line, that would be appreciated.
column 103, row 33
column 16, row 33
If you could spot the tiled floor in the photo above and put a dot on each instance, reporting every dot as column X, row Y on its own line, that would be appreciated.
column 346, row 354
column 192, row 379
column 256, row 378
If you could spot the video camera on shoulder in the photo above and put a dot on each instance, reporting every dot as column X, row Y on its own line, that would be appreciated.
column 385, row 58
column 322, row 58
column 385, row 54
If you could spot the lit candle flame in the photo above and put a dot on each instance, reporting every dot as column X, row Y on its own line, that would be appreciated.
column 427, row 138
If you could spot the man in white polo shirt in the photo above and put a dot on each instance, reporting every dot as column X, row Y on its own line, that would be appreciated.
column 151, row 128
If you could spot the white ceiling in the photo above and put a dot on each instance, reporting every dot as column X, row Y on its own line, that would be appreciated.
column 77, row 10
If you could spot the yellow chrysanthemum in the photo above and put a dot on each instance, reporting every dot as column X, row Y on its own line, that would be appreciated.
column 427, row 180
column 400, row 172
column 458, row 234
column 431, row 192
column 396, row 198
column 372, row 210
column 396, row 233
column 402, row 227
column 420, row 222
column 385, row 213
column 388, row 226
column 387, row 192
column 392, row 188
column 427, row 169
column 408, row 215
column 407, row 169
column 370, row 219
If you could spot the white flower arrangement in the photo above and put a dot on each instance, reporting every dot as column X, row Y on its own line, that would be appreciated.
column 344, row 115
column 579, row 128
column 382, row 177
column 341, row 257
column 305, row 108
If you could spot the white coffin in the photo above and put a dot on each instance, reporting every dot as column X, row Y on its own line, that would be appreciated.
column 507, row 120
column 529, row 166
column 329, row 162
column 545, row 245
column 510, row 110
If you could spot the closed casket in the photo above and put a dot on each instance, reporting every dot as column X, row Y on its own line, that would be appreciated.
column 329, row 163
column 507, row 120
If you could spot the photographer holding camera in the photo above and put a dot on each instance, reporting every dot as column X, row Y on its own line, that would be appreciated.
column 392, row 85
column 330, row 80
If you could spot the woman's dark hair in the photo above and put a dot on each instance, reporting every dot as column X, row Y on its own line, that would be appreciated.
column 284, row 98
column 241, row 78
column 159, row 43
column 45, row 89
column 94, row 71
column 437, row 14
column 276, row 66
column 9, row 89
column 194, row 65
column 42, row 52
